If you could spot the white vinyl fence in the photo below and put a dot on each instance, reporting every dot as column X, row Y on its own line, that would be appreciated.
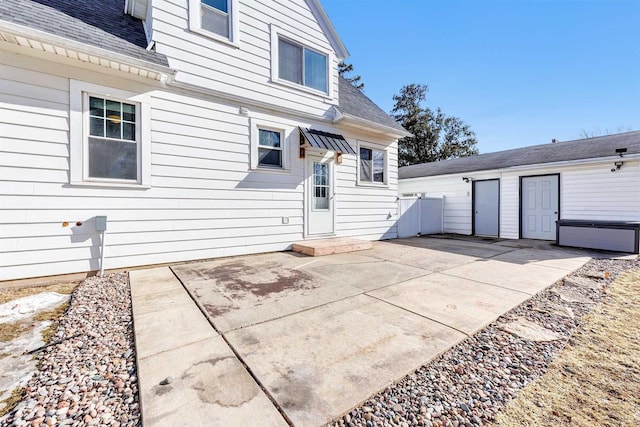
column 419, row 215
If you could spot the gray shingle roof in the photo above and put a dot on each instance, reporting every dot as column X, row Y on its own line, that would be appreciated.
column 356, row 103
column 100, row 23
column 590, row 148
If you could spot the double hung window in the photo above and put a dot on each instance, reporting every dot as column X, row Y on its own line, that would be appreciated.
column 372, row 165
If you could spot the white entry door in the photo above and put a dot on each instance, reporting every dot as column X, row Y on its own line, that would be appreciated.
column 539, row 207
column 320, row 200
column 486, row 207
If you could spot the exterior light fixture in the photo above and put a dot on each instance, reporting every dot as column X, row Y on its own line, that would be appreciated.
column 617, row 165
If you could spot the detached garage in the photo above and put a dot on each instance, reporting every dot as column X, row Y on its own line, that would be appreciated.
column 571, row 192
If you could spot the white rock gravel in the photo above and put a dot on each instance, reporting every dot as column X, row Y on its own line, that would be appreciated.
column 469, row 384
column 87, row 375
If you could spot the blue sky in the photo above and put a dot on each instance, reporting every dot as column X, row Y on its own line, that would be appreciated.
column 518, row 72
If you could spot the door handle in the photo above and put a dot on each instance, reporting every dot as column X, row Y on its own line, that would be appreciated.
column 556, row 212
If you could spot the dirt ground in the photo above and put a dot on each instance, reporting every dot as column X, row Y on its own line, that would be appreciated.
column 596, row 378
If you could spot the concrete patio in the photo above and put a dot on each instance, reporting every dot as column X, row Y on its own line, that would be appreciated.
column 282, row 338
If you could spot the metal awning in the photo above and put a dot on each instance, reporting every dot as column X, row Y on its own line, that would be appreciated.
column 324, row 141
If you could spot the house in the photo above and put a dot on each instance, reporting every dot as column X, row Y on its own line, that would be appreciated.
column 198, row 128
column 591, row 185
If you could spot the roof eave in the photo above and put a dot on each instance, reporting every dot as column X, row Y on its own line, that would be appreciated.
column 64, row 43
column 328, row 28
column 592, row 160
column 361, row 123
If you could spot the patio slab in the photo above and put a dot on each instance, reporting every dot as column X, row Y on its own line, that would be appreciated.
column 322, row 362
column 528, row 278
column 248, row 290
column 418, row 257
column 463, row 304
column 208, row 386
column 556, row 258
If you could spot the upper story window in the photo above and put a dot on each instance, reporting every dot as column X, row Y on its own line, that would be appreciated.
column 372, row 166
column 217, row 19
column 215, row 16
column 302, row 65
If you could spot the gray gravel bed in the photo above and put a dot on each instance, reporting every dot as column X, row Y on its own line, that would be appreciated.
column 469, row 384
column 87, row 376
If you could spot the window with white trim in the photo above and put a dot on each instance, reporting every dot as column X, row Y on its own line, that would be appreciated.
column 302, row 65
column 113, row 139
column 269, row 146
column 109, row 136
column 215, row 18
column 372, row 165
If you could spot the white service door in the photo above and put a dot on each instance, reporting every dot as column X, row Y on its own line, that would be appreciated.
column 540, row 207
column 320, row 200
column 486, row 206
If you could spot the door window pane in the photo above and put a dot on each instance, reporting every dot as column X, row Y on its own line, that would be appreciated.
column 321, row 186
column 289, row 61
column 315, row 70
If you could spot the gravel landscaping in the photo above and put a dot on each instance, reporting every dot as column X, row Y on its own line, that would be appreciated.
column 87, row 374
column 469, row 384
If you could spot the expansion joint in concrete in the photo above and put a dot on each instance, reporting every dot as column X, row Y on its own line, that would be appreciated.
column 274, row 402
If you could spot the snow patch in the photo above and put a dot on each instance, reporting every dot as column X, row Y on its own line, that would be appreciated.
column 23, row 308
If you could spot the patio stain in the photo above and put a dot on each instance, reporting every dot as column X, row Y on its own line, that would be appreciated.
column 224, row 391
column 259, row 280
column 216, row 310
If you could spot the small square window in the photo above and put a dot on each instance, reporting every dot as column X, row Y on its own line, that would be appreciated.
column 269, row 148
column 372, row 165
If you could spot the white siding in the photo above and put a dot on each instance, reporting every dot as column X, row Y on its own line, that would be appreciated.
column 204, row 201
column 587, row 191
column 244, row 71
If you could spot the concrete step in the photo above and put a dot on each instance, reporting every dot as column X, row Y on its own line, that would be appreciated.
column 336, row 245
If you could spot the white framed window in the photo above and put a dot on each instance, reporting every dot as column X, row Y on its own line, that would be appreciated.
column 269, row 147
column 299, row 65
column 109, row 137
column 372, row 165
column 217, row 19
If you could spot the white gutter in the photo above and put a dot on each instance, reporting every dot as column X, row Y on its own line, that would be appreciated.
column 65, row 43
column 578, row 162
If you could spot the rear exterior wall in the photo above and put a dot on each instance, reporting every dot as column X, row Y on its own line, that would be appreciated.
column 204, row 200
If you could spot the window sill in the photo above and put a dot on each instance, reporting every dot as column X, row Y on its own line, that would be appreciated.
column 271, row 170
column 373, row 184
column 302, row 88
column 215, row 37
column 102, row 184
